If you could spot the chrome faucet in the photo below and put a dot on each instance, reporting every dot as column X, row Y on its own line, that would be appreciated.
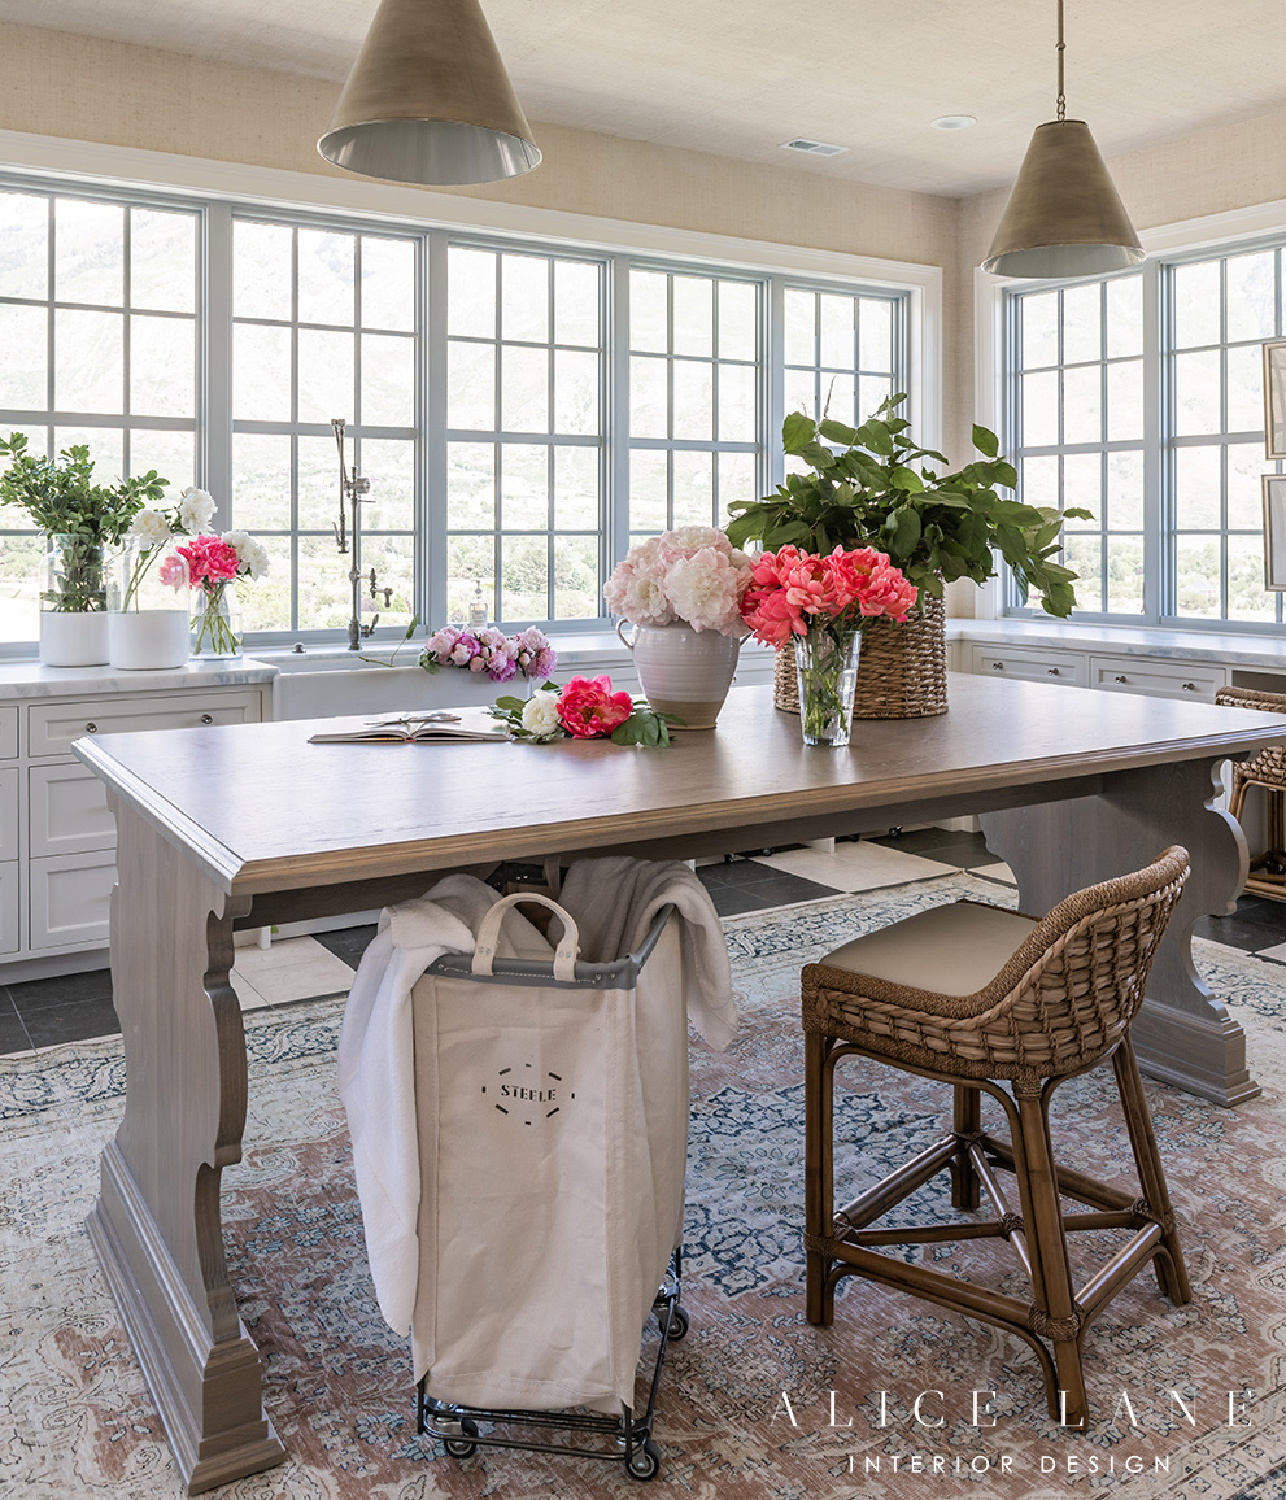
column 352, row 487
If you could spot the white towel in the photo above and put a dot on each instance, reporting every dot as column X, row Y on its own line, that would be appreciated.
column 609, row 896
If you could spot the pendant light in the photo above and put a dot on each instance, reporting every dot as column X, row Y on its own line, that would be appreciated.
column 1064, row 216
column 429, row 101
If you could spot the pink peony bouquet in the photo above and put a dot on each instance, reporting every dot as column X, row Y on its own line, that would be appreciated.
column 793, row 593
column 695, row 577
column 502, row 657
column 586, row 709
column 213, row 563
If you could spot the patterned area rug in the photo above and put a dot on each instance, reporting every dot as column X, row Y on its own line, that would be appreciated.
column 754, row 1402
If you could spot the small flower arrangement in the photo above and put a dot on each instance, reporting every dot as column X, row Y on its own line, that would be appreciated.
column 502, row 657
column 213, row 563
column 693, row 577
column 821, row 604
column 793, row 593
column 586, row 709
column 153, row 528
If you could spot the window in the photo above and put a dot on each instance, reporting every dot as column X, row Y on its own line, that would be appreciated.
column 524, row 428
column 324, row 325
column 523, row 410
column 694, row 402
column 1141, row 398
column 99, row 330
column 1077, row 417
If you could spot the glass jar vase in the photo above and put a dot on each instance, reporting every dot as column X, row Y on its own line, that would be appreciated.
column 216, row 620
column 826, row 665
column 147, row 607
column 73, row 624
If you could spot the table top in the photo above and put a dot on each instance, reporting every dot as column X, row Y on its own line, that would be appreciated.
column 261, row 809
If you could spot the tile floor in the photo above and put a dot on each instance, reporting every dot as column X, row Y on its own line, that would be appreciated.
column 71, row 1008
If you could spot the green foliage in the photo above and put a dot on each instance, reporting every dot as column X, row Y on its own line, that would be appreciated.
column 62, row 499
column 876, row 489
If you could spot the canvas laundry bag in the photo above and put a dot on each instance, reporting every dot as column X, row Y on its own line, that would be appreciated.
column 552, row 1111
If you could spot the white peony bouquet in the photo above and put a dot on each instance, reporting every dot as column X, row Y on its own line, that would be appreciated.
column 694, row 576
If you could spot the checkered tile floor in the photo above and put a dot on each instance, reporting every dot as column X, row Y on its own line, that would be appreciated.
column 72, row 1007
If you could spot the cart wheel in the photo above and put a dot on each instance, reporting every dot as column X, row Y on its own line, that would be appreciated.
column 645, row 1462
column 462, row 1447
column 678, row 1324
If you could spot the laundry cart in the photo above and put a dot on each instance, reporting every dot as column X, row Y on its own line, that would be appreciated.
column 552, row 1108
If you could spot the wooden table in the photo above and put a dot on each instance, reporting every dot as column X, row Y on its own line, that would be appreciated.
column 245, row 825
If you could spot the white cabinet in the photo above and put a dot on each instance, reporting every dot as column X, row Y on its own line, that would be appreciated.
column 1030, row 664
column 57, row 834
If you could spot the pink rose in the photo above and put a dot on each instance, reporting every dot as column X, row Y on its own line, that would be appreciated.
column 589, row 709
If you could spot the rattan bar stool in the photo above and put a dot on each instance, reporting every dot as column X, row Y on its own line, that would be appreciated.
column 978, row 997
column 1267, row 769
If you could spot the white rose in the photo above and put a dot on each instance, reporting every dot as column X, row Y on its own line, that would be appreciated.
column 540, row 714
column 196, row 510
column 151, row 528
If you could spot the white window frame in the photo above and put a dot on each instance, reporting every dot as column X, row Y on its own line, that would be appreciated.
column 220, row 185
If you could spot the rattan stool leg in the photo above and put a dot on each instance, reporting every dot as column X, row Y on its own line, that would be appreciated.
column 1055, row 1315
column 1172, row 1274
column 819, row 1172
column 966, row 1191
column 1238, row 795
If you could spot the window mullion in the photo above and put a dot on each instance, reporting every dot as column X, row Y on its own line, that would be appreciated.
column 617, row 412
column 772, row 359
column 214, row 372
column 1158, row 453
column 433, row 514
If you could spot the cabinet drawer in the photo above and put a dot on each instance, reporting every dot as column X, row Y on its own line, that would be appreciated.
column 9, row 737
column 70, row 899
column 1197, row 681
column 1029, row 665
column 67, row 811
column 51, row 727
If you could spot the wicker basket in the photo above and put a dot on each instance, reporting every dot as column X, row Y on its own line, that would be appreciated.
column 901, row 673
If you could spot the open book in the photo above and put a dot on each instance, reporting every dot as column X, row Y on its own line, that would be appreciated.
column 414, row 729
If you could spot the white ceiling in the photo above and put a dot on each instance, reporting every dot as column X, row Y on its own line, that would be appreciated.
column 738, row 77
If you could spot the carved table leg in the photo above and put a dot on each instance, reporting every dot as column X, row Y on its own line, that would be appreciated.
column 1182, row 1034
column 156, row 1226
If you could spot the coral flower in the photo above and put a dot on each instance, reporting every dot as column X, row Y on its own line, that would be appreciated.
column 588, row 708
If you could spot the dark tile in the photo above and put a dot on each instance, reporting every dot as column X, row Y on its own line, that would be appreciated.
column 13, row 1034
column 1250, row 937
column 729, row 902
column 950, row 846
column 784, row 889
column 63, row 989
column 347, row 943
column 76, row 1022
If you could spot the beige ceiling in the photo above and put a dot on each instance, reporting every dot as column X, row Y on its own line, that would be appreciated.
column 738, row 77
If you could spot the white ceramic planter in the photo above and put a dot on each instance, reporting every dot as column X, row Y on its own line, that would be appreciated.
column 148, row 639
column 70, row 638
column 683, row 671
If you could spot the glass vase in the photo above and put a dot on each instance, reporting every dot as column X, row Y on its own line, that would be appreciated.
column 148, row 624
column 216, row 621
column 73, row 625
column 826, row 667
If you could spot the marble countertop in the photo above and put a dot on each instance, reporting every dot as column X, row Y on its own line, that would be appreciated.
column 29, row 679
column 1127, row 640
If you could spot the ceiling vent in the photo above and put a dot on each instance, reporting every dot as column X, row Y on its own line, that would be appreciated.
column 813, row 148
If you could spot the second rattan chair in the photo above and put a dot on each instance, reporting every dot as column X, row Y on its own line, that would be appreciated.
column 978, row 997
column 1267, row 875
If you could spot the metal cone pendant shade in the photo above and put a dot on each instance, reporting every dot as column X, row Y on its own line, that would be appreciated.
column 429, row 101
column 1064, row 216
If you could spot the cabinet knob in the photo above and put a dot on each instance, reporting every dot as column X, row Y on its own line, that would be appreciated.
column 91, row 728
column 1121, row 678
column 997, row 666
column 1188, row 687
column 207, row 718
column 1054, row 672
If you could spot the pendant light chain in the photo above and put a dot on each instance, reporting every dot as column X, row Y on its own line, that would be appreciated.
column 1062, row 103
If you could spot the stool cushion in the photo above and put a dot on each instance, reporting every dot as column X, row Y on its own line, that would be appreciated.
column 950, row 950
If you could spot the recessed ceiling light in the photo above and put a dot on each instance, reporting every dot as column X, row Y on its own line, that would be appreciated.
column 812, row 148
column 953, row 122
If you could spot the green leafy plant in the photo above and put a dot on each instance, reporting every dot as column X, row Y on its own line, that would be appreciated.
column 62, row 499
column 877, row 489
